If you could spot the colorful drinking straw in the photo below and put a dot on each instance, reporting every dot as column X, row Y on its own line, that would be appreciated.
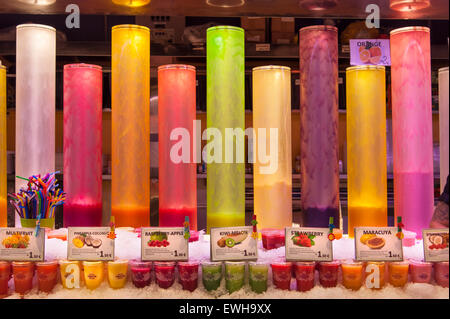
column 443, row 125
column 3, row 181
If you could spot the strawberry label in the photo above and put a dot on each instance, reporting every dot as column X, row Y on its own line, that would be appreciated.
column 164, row 244
column 435, row 244
column 370, row 52
column 21, row 244
column 308, row 244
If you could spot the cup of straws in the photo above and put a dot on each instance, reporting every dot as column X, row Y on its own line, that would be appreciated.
column 36, row 202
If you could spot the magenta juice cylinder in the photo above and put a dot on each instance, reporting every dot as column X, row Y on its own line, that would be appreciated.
column 328, row 273
column 82, row 145
column 177, row 168
column 441, row 273
column 412, row 130
column 304, row 275
column 188, row 275
column 420, row 271
column 141, row 272
column 319, row 125
column 165, row 273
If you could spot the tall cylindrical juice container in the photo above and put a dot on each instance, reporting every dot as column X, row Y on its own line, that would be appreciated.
column 35, row 99
column 272, row 176
column 3, row 185
column 130, row 98
column 319, row 125
column 177, row 167
column 366, row 147
column 443, row 125
column 412, row 129
column 225, row 119
column 82, row 145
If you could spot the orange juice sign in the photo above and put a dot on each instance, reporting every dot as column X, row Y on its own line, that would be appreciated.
column 370, row 52
column 20, row 244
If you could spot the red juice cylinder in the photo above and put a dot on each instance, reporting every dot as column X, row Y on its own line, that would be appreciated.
column 83, row 145
column 47, row 275
column 328, row 273
column 141, row 272
column 304, row 275
column 177, row 166
column 281, row 274
column 165, row 274
column 319, row 125
column 5, row 273
column 412, row 129
column 272, row 238
column 188, row 274
column 441, row 273
column 23, row 276
column 420, row 271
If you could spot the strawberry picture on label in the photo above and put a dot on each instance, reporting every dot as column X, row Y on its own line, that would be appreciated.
column 303, row 240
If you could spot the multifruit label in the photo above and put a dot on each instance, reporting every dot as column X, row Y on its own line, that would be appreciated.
column 21, row 244
column 308, row 244
column 89, row 243
column 233, row 243
column 378, row 244
column 370, row 52
column 164, row 244
column 435, row 244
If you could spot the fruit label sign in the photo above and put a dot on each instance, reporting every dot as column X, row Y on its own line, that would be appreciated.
column 233, row 243
column 89, row 243
column 435, row 244
column 378, row 244
column 164, row 244
column 20, row 244
column 308, row 244
column 370, row 52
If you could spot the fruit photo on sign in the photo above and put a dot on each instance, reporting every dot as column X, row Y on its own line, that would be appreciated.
column 369, row 53
column 303, row 240
column 158, row 239
column 438, row 241
column 372, row 241
column 231, row 240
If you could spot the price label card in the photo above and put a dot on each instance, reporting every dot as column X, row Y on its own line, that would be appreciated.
column 20, row 244
column 233, row 243
column 378, row 244
column 370, row 52
column 89, row 243
column 308, row 244
column 164, row 244
column 435, row 244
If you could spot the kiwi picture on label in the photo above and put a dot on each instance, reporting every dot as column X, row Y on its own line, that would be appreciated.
column 231, row 240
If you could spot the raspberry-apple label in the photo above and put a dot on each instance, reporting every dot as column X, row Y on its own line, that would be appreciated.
column 435, row 244
column 90, row 243
column 164, row 244
column 370, row 52
column 21, row 244
column 233, row 243
column 308, row 244
column 378, row 244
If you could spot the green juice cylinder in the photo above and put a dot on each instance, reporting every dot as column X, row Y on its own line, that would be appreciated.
column 225, row 120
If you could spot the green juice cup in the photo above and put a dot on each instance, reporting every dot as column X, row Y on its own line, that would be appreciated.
column 234, row 275
column 211, row 274
column 258, row 276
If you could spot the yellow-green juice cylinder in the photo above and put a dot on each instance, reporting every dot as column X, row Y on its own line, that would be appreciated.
column 225, row 112
column 366, row 147
column 3, row 205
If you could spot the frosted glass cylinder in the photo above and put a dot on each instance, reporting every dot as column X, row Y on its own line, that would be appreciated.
column 130, row 158
column 35, row 101
column 177, row 169
column 412, row 127
column 443, row 125
column 319, row 125
column 225, row 109
column 272, row 180
column 366, row 147
column 82, row 145
column 3, row 180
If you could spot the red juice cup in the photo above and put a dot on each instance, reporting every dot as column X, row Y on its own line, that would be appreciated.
column 441, row 273
column 188, row 275
column 141, row 273
column 281, row 274
column 328, row 273
column 304, row 274
column 5, row 274
column 420, row 271
column 47, row 275
column 165, row 273
column 23, row 276
column 272, row 238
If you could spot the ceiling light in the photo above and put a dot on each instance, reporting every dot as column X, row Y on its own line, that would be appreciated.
column 225, row 3
column 38, row 2
column 409, row 5
column 318, row 5
column 131, row 3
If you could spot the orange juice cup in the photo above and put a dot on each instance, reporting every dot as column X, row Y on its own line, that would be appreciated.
column 117, row 273
column 23, row 276
column 5, row 274
column 352, row 274
column 398, row 273
column 94, row 273
column 70, row 273
column 47, row 274
column 382, row 271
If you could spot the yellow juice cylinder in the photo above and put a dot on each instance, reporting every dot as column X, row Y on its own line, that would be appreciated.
column 94, row 273
column 398, row 273
column 272, row 178
column 3, row 205
column 117, row 273
column 130, row 95
column 71, row 273
column 366, row 147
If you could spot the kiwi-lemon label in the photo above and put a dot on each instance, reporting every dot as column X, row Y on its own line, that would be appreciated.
column 308, row 244
column 370, row 52
column 378, row 244
column 89, row 243
column 21, row 244
column 164, row 244
column 233, row 243
column 435, row 244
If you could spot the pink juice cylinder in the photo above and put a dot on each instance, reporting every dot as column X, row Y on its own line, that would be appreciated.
column 412, row 127
column 319, row 125
column 177, row 167
column 188, row 275
column 83, row 145
column 420, row 271
column 328, row 273
column 164, row 274
column 304, row 274
column 141, row 273
column 441, row 273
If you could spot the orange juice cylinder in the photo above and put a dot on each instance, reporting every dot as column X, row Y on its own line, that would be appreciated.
column 117, row 273
column 398, row 273
column 352, row 274
column 5, row 273
column 381, row 270
column 93, row 273
column 23, row 276
column 3, row 203
column 70, row 271
column 47, row 272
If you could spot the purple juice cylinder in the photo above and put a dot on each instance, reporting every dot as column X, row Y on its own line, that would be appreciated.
column 319, row 125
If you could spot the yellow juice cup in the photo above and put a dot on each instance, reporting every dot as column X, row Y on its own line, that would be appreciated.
column 71, row 273
column 117, row 273
column 93, row 273
column 352, row 274
column 398, row 273
column 382, row 271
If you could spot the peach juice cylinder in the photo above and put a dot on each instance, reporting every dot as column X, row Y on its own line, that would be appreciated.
column 443, row 125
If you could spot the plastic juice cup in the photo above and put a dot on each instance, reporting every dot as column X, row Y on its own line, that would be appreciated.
column 165, row 273
column 352, row 274
column 258, row 275
column 211, row 274
column 398, row 273
column 382, row 271
column 141, row 272
column 117, row 273
column 47, row 273
column 441, row 273
column 234, row 275
column 5, row 273
column 281, row 274
column 304, row 274
column 94, row 273
column 272, row 238
column 23, row 276
column 188, row 274
column 420, row 271
column 68, row 268
column 328, row 273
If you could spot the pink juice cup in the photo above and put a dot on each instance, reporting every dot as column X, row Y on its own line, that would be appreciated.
column 420, row 271
column 281, row 274
column 272, row 238
column 141, row 272
column 328, row 273
column 441, row 273
column 5, row 275
column 304, row 274
column 165, row 273
column 188, row 275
